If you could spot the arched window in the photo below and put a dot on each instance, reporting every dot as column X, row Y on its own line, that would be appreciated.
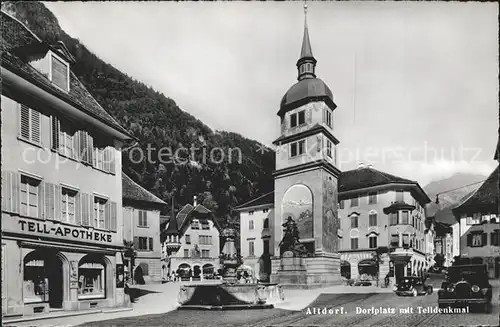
column 91, row 278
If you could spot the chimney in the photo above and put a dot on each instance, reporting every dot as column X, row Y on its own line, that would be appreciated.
column 361, row 165
column 194, row 201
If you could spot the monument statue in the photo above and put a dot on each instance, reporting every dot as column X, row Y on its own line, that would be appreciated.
column 291, row 239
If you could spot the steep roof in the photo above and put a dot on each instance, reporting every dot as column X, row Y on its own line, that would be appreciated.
column 17, row 38
column 135, row 192
column 484, row 199
column 367, row 177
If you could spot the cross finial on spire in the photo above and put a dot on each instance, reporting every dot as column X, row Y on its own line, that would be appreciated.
column 305, row 12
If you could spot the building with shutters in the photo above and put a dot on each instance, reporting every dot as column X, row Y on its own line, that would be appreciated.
column 191, row 245
column 255, row 234
column 479, row 226
column 61, row 183
column 376, row 210
column 141, row 225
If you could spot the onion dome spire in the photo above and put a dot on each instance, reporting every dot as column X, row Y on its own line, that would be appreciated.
column 306, row 64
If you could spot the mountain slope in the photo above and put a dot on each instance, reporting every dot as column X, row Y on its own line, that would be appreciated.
column 457, row 181
column 220, row 182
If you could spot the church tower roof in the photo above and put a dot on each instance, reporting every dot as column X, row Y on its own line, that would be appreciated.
column 309, row 87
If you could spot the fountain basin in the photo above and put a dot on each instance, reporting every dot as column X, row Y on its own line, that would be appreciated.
column 229, row 296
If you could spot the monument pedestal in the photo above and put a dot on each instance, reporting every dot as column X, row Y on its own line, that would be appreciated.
column 323, row 269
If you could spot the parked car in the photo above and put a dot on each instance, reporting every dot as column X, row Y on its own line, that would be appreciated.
column 466, row 285
column 412, row 286
column 436, row 270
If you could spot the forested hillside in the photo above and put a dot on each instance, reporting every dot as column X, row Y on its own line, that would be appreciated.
column 155, row 119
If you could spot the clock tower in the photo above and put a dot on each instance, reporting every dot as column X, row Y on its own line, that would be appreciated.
column 306, row 174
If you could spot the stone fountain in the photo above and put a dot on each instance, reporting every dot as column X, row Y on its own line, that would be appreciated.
column 228, row 294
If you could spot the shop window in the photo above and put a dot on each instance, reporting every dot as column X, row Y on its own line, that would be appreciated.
column 36, row 283
column 91, row 278
column 30, row 196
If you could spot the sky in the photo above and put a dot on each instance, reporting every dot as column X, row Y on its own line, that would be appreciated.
column 416, row 84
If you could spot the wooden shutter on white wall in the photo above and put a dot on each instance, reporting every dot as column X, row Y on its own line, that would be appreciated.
column 112, row 162
column 86, row 212
column 107, row 215
column 49, row 201
column 25, row 122
column 6, row 191
column 36, row 121
column 90, row 149
column 15, row 180
column 56, row 127
column 78, row 209
column 114, row 218
column 57, row 202
column 41, row 200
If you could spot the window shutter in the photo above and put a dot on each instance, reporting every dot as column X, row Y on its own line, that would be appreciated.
column 112, row 163
column 6, row 190
column 484, row 239
column 57, row 202
column 56, row 126
column 76, row 146
column 78, row 209
column 150, row 244
column 107, row 215
column 49, row 201
column 15, row 180
column 136, row 242
column 105, row 163
column 85, row 209
column 25, row 122
column 36, row 118
column 145, row 218
column 90, row 149
column 113, row 222
column 469, row 239
column 41, row 198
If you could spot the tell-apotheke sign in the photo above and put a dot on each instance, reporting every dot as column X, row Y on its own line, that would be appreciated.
column 56, row 230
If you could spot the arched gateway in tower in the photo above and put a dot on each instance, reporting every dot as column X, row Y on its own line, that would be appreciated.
column 306, row 175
